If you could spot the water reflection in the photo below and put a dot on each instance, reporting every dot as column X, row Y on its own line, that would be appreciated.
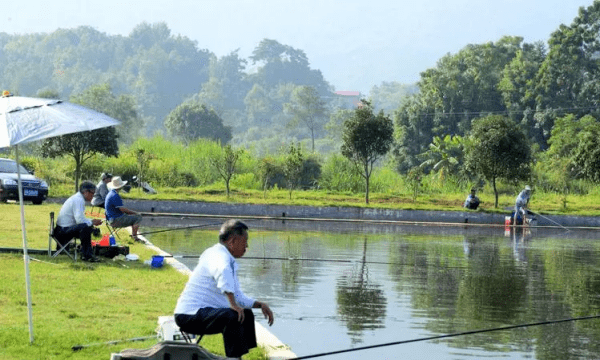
column 361, row 302
column 403, row 285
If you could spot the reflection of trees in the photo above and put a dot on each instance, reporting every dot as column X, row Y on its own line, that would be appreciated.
column 361, row 303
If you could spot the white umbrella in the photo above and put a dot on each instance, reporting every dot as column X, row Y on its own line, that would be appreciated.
column 23, row 120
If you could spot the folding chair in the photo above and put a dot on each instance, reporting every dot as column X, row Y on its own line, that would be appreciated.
column 112, row 230
column 60, row 248
column 189, row 338
column 99, row 213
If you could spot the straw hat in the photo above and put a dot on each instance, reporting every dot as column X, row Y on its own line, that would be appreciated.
column 116, row 183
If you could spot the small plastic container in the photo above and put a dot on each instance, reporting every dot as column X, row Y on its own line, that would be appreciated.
column 157, row 261
column 112, row 241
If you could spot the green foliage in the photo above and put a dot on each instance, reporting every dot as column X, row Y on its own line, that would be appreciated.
column 367, row 137
column 224, row 162
column 192, row 120
column 335, row 126
column 270, row 173
column 310, row 173
column 293, row 166
column 460, row 88
column 307, row 107
column 84, row 145
column 444, row 156
column 283, row 64
column 587, row 154
column 498, row 150
column 414, row 180
column 340, row 175
column 390, row 95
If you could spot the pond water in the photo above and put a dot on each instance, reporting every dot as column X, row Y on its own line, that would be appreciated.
column 359, row 286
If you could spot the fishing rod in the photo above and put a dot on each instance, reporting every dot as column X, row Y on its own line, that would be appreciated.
column 299, row 259
column 547, row 218
column 112, row 342
column 179, row 228
column 470, row 332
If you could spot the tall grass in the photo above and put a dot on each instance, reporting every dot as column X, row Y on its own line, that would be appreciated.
column 172, row 165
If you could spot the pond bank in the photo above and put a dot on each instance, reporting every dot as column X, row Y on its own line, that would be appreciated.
column 277, row 212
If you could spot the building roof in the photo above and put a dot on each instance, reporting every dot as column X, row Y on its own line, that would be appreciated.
column 348, row 93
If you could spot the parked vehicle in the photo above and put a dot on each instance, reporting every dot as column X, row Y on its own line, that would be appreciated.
column 34, row 189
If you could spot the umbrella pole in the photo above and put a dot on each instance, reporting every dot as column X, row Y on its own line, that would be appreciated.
column 25, row 254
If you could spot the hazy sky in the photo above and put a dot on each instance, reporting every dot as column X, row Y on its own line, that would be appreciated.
column 355, row 43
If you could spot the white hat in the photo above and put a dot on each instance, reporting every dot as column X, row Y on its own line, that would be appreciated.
column 527, row 187
column 116, row 183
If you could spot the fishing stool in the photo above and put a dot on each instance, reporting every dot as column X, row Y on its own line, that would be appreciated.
column 60, row 247
column 188, row 337
column 112, row 230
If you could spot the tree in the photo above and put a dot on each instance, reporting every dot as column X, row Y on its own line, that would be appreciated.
column 498, row 149
column 225, row 162
column 451, row 95
column 281, row 64
column 267, row 169
column 307, row 107
column 191, row 120
column 123, row 107
column 292, row 167
column 569, row 77
column 82, row 146
column 587, row 153
column 445, row 156
column 367, row 137
column 390, row 95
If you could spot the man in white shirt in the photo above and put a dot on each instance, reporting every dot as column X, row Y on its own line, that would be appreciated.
column 72, row 223
column 212, row 301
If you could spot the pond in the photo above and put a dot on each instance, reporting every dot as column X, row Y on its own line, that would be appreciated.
column 357, row 286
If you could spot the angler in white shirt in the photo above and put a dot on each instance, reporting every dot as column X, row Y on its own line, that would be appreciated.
column 212, row 301
column 72, row 223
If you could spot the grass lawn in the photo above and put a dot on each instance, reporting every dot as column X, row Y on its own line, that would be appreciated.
column 80, row 303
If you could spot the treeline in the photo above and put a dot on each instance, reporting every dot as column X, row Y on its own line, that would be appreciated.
column 159, row 71
column 506, row 110
column 533, row 85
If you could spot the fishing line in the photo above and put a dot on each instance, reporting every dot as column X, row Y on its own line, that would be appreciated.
column 547, row 218
column 113, row 342
column 549, row 322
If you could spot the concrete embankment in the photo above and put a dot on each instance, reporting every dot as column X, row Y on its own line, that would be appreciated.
column 346, row 213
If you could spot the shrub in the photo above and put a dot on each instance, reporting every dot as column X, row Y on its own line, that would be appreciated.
column 339, row 174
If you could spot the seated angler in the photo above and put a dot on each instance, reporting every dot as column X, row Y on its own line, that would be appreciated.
column 212, row 301
column 472, row 201
column 72, row 223
column 117, row 215
column 101, row 190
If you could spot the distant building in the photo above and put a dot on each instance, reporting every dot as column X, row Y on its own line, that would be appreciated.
column 351, row 99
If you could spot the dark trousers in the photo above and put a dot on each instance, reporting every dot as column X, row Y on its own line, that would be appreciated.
column 238, row 338
column 81, row 231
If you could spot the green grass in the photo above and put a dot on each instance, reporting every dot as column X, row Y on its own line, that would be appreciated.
column 80, row 303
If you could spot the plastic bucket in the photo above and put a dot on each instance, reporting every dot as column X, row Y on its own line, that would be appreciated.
column 105, row 241
column 157, row 261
